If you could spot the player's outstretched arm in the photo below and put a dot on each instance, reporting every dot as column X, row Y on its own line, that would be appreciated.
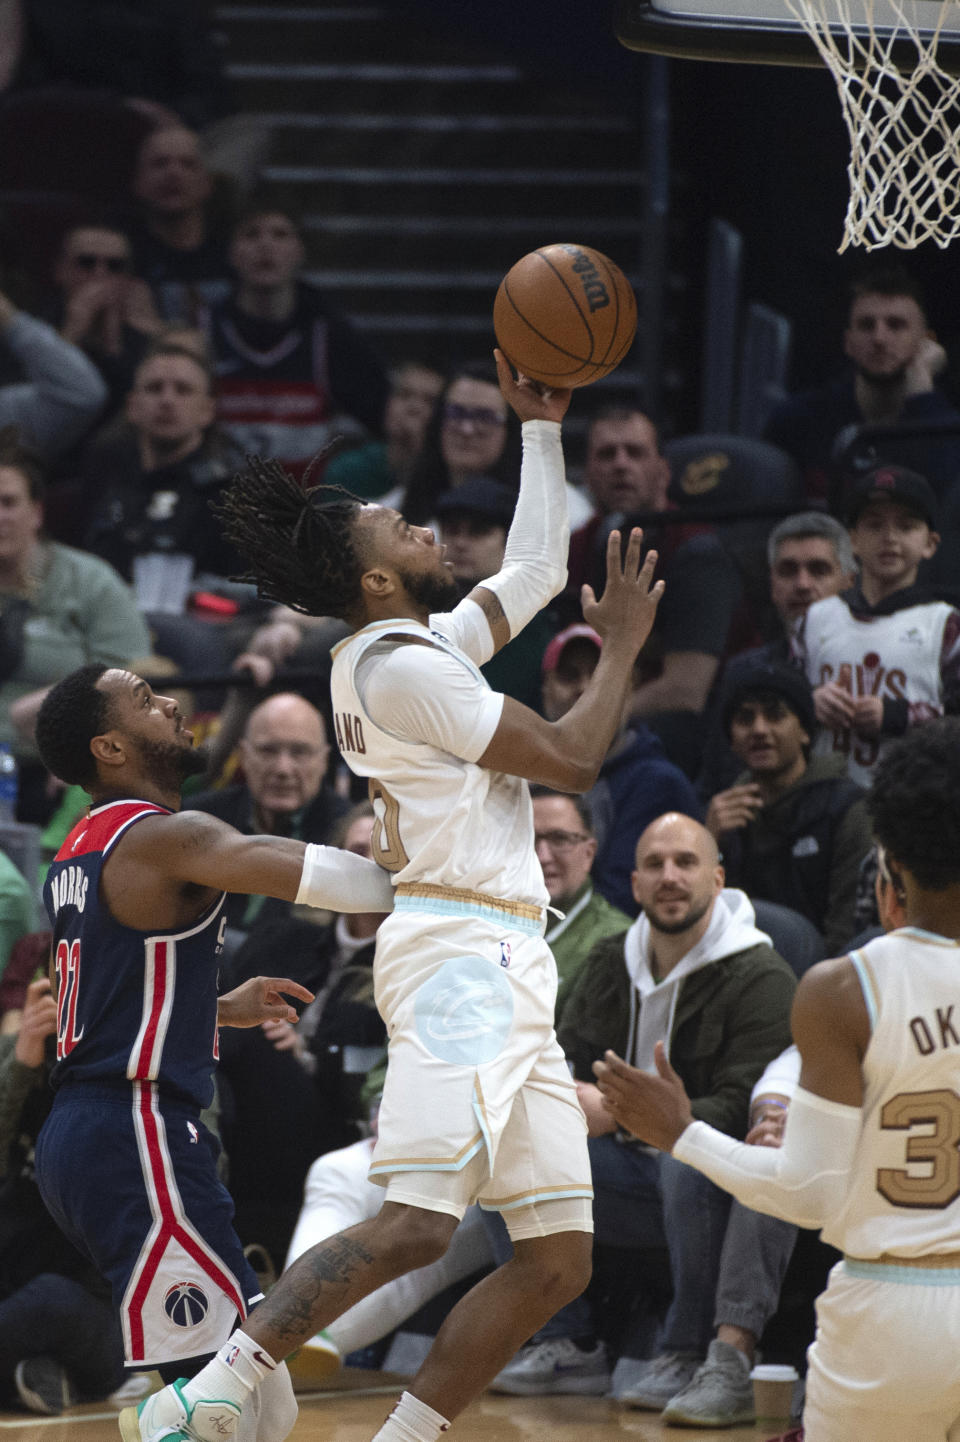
column 567, row 754
column 534, row 568
column 193, row 847
column 260, row 999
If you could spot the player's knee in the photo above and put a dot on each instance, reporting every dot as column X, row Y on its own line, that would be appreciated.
column 415, row 1236
column 561, row 1265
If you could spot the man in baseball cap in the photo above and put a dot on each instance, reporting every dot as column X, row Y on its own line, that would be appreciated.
column 792, row 830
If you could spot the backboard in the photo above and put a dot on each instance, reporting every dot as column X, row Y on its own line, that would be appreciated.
column 768, row 32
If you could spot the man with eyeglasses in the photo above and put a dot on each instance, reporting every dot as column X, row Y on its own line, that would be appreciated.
column 283, row 753
column 102, row 307
column 566, row 846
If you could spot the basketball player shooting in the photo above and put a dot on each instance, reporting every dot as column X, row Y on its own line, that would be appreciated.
column 478, row 1101
column 135, row 897
column 870, row 1151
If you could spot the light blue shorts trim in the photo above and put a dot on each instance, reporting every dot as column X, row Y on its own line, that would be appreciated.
column 906, row 1275
column 532, row 1198
column 437, row 906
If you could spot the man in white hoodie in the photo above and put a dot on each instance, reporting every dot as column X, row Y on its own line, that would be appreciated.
column 693, row 968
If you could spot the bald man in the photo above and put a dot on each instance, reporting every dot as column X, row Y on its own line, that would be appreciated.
column 284, row 753
column 695, row 970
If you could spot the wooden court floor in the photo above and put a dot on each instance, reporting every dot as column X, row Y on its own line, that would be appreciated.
column 354, row 1408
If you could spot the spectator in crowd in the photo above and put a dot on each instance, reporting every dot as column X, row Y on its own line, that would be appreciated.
column 179, row 248
column 886, row 655
column 59, row 1335
column 695, row 969
column 160, row 59
column 293, row 1092
column 473, row 520
column 636, row 783
column 756, row 1252
column 62, row 392
column 893, row 364
column 566, row 846
column 792, row 830
column 472, row 432
column 149, row 492
column 102, row 307
column 18, row 910
column 627, row 476
column 61, row 608
column 284, row 754
column 381, row 470
column 809, row 558
column 291, row 371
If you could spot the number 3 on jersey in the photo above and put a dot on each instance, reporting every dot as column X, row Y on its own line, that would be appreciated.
column 68, row 982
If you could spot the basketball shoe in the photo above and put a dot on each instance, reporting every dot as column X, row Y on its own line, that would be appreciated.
column 167, row 1414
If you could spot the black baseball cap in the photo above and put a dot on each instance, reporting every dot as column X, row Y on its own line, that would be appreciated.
column 770, row 677
column 479, row 496
column 894, row 483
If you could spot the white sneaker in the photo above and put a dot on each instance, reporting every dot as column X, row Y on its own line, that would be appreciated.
column 558, row 1365
column 167, row 1414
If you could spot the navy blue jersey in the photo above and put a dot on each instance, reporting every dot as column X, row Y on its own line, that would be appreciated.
column 131, row 1005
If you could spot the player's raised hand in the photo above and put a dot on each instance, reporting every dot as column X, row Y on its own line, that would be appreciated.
column 628, row 606
column 654, row 1108
column 529, row 400
column 260, row 999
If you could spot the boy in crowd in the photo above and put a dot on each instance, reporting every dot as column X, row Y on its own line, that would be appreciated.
column 885, row 655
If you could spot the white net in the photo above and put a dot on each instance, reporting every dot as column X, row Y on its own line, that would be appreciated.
column 901, row 111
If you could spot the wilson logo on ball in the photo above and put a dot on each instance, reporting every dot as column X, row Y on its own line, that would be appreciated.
column 186, row 1304
column 593, row 287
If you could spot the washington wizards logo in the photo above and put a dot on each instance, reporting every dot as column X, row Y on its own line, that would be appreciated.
column 186, row 1304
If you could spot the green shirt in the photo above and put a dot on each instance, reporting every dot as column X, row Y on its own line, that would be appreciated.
column 18, row 912
column 80, row 612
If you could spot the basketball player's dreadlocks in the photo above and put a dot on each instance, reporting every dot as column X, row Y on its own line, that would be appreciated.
column 298, row 544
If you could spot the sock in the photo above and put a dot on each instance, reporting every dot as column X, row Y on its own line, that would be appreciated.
column 239, row 1367
column 412, row 1421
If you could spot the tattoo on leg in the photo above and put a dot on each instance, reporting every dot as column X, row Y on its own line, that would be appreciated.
column 312, row 1282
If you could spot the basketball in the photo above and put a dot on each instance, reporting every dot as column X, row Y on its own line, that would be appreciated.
column 565, row 315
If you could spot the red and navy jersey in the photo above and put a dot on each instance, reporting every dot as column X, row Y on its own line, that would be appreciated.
column 131, row 1005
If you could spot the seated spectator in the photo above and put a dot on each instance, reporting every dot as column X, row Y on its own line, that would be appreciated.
column 692, row 968
column 809, row 557
column 149, row 496
column 381, row 470
column 472, row 432
column 893, row 363
column 626, row 475
column 284, row 754
column 566, row 846
column 791, row 829
column 294, row 1091
column 472, row 523
column 102, row 307
column 61, row 394
column 18, row 908
column 178, row 247
column 59, row 1335
column 886, row 655
column 61, row 608
column 756, row 1252
column 636, row 783
column 291, row 371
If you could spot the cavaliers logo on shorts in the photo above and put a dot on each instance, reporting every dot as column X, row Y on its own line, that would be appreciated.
column 465, row 1011
column 186, row 1304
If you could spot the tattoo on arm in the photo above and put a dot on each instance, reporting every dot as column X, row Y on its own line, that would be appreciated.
column 489, row 604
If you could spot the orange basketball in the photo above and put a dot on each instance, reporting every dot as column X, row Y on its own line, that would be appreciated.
column 565, row 315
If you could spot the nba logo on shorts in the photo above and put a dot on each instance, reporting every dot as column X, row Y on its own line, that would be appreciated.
column 185, row 1304
column 504, row 953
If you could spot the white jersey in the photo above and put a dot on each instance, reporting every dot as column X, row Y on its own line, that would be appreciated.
column 904, row 1192
column 896, row 657
column 413, row 714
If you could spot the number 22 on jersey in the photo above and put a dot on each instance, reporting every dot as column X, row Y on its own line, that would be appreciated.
column 68, row 982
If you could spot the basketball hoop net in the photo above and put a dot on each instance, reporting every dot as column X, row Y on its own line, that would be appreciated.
column 900, row 109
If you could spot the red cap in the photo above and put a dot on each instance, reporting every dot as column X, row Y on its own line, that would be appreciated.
column 580, row 632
